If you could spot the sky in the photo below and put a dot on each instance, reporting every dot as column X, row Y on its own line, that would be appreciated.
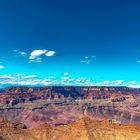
column 70, row 42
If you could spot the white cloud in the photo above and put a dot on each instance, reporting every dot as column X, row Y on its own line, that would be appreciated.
column 1, row 67
column 65, row 78
column 37, row 53
column 6, row 76
column 22, row 54
column 117, row 82
column 50, row 53
column 71, row 79
column 33, row 80
column 35, row 56
column 88, row 80
column 66, row 73
column 138, row 61
column 28, row 76
column 134, row 86
column 132, row 82
column 111, row 83
column 78, row 80
column 105, row 82
column 36, row 60
column 18, row 76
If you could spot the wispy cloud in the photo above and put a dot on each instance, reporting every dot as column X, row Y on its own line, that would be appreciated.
column 111, row 83
column 22, row 54
column 18, row 53
column 36, row 60
column 23, row 76
column 5, row 77
column 87, row 59
column 35, row 80
column 132, row 82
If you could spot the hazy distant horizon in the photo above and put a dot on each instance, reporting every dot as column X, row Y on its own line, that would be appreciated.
column 136, row 87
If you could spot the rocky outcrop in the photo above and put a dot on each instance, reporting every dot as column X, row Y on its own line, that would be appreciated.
column 63, row 105
column 13, row 131
column 83, row 129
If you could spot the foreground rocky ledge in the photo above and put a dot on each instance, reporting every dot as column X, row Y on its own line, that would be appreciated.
column 84, row 129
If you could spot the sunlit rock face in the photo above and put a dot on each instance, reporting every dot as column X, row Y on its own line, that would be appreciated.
column 83, row 129
column 63, row 105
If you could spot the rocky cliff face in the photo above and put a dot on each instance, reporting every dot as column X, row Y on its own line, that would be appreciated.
column 63, row 105
column 84, row 129
column 73, row 92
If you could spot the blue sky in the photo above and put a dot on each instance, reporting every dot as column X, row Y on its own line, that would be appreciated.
column 77, row 42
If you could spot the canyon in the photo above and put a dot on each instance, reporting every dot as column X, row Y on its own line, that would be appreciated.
column 103, row 113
